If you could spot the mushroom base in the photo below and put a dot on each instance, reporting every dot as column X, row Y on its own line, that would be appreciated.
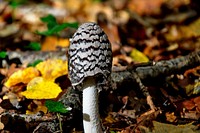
column 91, row 119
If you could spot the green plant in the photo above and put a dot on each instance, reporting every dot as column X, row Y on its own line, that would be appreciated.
column 56, row 107
column 53, row 27
column 33, row 46
column 35, row 63
column 3, row 54
column 15, row 3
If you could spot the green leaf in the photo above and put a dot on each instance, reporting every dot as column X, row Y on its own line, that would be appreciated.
column 50, row 20
column 71, row 25
column 45, row 33
column 53, row 26
column 57, row 28
column 56, row 107
column 34, row 63
column 16, row 3
column 97, row 1
column 52, row 31
column 3, row 54
column 34, row 46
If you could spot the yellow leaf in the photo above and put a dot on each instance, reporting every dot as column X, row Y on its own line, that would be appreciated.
column 51, row 43
column 138, row 56
column 110, row 119
column 22, row 76
column 51, row 69
column 169, row 128
column 183, row 32
column 39, row 88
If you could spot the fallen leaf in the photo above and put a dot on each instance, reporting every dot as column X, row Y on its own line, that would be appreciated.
column 145, row 6
column 169, row 128
column 40, row 88
column 138, row 56
column 1, row 126
column 39, row 107
column 13, row 98
column 197, row 103
column 170, row 117
column 52, row 43
column 197, row 100
column 193, row 88
column 122, row 60
column 191, row 115
column 188, row 104
column 196, row 88
column 183, row 32
column 22, row 76
column 52, row 69
column 193, row 71
column 110, row 118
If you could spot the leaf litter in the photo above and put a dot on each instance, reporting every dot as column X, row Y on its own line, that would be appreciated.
column 157, row 30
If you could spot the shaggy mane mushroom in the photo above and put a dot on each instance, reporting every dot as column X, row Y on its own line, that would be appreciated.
column 90, row 59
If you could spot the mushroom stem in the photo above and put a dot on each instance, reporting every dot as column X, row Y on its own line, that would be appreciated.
column 91, row 119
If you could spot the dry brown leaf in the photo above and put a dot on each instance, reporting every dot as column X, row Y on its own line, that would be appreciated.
column 170, row 117
column 40, row 107
column 188, row 104
column 147, row 7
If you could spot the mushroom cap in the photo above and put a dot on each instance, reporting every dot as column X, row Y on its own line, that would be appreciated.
column 89, row 53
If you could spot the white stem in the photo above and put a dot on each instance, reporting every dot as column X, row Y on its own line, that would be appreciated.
column 91, row 119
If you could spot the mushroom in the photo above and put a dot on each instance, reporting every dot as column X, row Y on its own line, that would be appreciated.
column 89, row 65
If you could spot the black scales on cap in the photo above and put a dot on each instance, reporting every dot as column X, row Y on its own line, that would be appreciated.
column 90, row 53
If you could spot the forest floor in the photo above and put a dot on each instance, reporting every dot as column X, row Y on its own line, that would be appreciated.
column 156, row 65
